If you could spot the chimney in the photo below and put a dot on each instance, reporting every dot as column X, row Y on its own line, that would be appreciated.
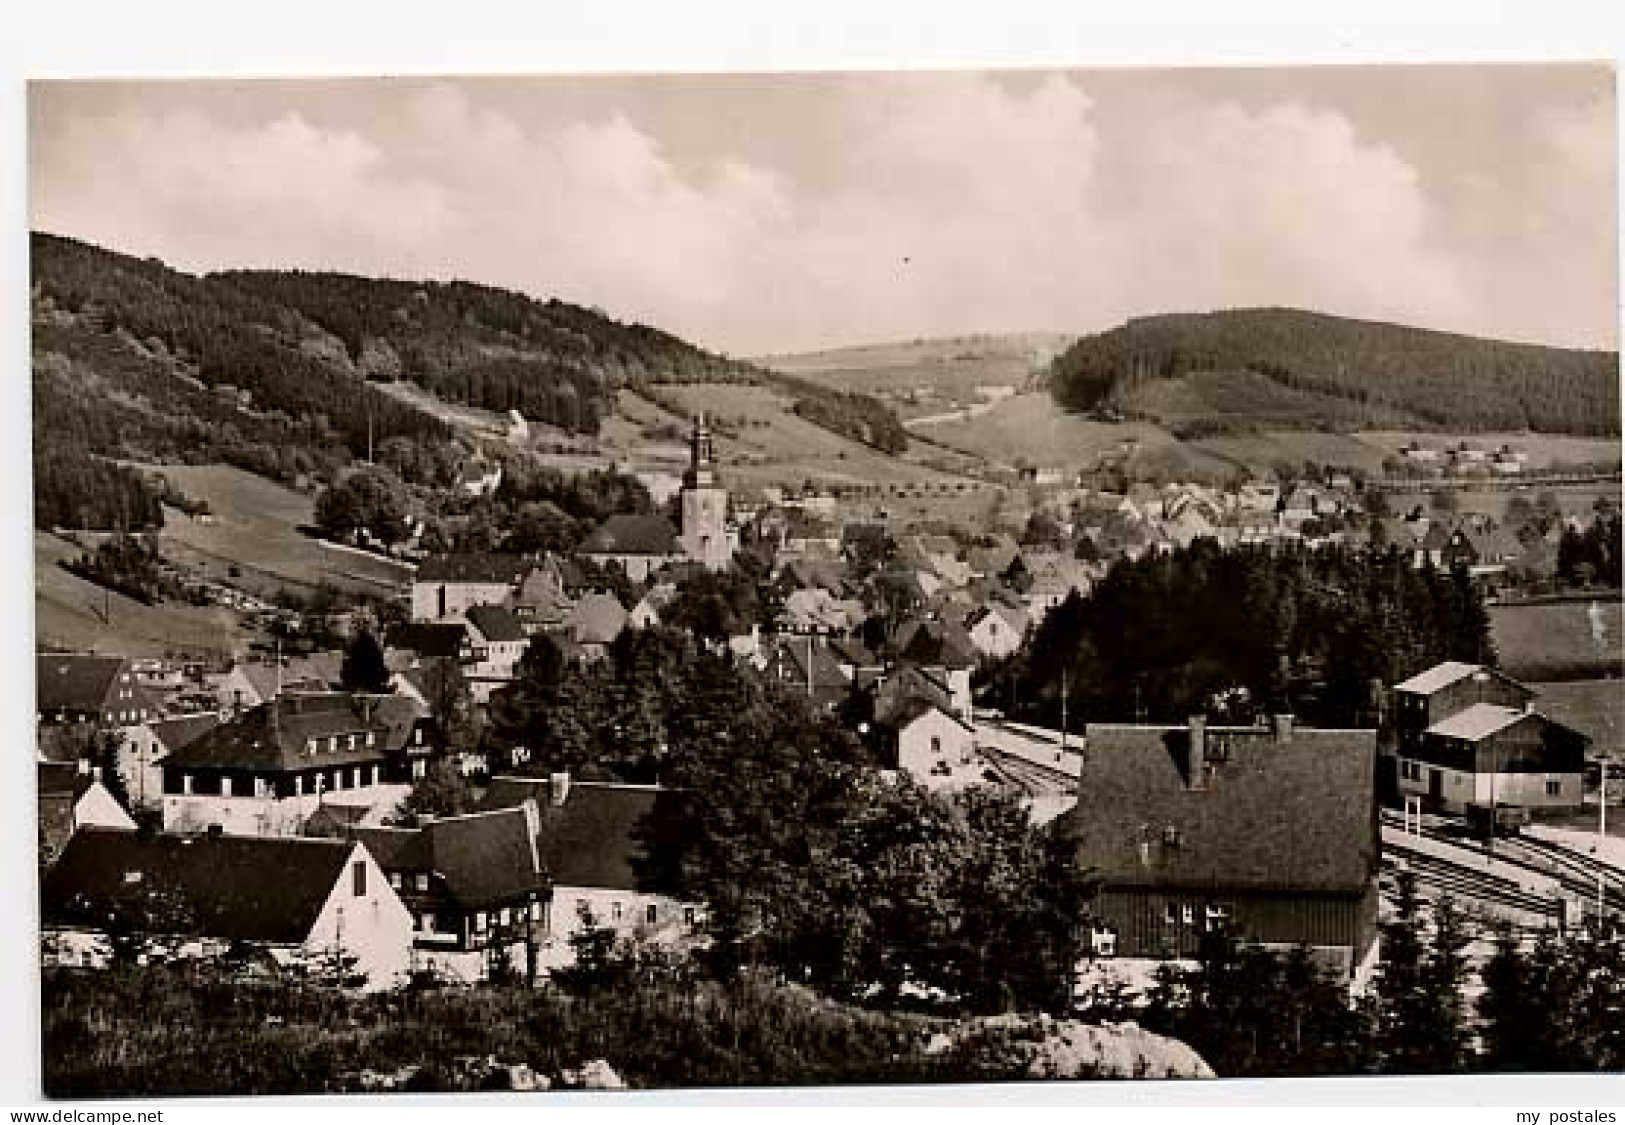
column 1196, row 752
column 84, row 766
column 1282, row 723
column 558, row 787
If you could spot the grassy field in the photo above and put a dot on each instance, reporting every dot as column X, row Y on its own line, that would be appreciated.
column 1262, row 451
column 1031, row 427
column 952, row 368
column 760, row 441
column 73, row 613
column 1592, row 707
column 255, row 528
column 1560, row 640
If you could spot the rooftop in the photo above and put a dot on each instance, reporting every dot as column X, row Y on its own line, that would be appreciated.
column 1270, row 813
column 249, row 888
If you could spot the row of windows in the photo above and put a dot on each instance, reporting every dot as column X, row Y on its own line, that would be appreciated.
column 355, row 777
column 1412, row 771
column 1186, row 914
column 351, row 742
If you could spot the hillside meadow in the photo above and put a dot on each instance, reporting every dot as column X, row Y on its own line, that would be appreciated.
column 255, row 528
column 70, row 612
column 1565, row 640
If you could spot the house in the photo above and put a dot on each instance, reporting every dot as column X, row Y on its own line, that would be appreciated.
column 638, row 544
column 595, row 622
column 1446, row 689
column 1467, row 735
column 474, row 886
column 816, row 610
column 500, row 641
column 478, row 478
column 518, row 427
column 995, row 629
column 646, row 614
column 943, row 649
column 593, row 841
column 1270, row 831
column 408, row 645
column 243, row 685
column 448, row 585
column 70, row 797
column 299, row 901
column 542, row 600
column 806, row 664
column 266, row 771
column 72, row 687
column 935, row 747
column 142, row 749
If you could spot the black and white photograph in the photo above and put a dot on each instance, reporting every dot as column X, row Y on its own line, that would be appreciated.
column 552, row 582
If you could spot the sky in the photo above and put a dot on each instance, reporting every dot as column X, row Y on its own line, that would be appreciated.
column 759, row 214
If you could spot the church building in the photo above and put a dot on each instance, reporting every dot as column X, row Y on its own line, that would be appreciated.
column 706, row 538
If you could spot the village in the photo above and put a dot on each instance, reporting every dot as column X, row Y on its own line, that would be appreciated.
column 288, row 773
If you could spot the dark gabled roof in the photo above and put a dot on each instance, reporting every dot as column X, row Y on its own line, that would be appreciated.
column 632, row 535
column 1293, row 814
column 483, row 858
column 596, row 838
column 249, row 888
column 484, row 569
column 81, row 682
column 183, row 730
column 787, row 658
column 486, row 857
column 428, row 639
column 273, row 735
column 913, row 707
column 496, row 624
column 904, row 688
column 938, row 644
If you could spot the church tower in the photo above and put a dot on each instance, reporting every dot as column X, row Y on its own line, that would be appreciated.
column 705, row 536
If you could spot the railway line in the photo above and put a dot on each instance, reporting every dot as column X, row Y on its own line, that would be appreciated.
column 1525, row 880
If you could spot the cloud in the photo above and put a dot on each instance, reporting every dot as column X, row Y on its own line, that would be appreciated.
column 950, row 204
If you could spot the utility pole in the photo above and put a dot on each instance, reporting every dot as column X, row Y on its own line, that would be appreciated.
column 1602, row 832
column 1063, row 712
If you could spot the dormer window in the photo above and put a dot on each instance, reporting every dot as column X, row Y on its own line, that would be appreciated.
column 371, row 738
column 310, row 746
column 1171, row 837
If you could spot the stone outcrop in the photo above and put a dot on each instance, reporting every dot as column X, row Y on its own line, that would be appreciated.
column 1049, row 1048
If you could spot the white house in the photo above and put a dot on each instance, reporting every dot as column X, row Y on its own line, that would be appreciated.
column 996, row 630
column 591, row 838
column 294, row 900
column 936, row 748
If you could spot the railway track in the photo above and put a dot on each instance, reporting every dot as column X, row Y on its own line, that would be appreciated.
column 1572, row 875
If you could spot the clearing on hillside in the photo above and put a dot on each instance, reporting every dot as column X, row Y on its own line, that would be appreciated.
column 1564, row 640
column 255, row 528
column 71, row 613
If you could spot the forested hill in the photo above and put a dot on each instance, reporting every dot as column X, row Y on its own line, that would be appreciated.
column 281, row 335
column 1298, row 369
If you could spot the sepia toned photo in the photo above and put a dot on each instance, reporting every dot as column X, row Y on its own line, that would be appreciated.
column 639, row 582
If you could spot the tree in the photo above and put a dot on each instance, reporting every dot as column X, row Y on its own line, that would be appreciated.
column 541, row 525
column 442, row 791
column 364, row 668
column 1417, row 1004
column 372, row 500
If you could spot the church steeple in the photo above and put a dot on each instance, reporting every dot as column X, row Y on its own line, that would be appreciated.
column 701, row 456
column 705, row 536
